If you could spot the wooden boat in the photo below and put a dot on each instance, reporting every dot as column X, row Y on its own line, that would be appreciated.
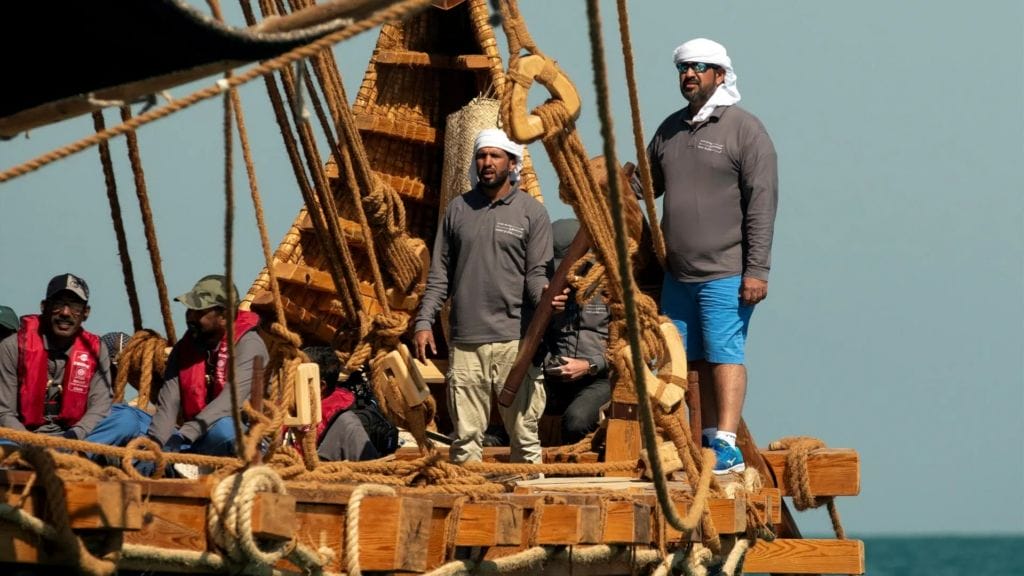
column 588, row 516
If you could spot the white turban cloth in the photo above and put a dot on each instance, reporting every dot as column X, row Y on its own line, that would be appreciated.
column 496, row 138
column 710, row 52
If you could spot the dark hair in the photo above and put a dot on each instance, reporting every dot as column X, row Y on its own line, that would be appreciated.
column 330, row 366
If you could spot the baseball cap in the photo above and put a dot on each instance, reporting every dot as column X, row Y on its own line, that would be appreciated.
column 70, row 283
column 209, row 292
column 8, row 319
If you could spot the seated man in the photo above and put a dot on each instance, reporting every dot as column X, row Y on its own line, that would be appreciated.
column 576, row 371
column 8, row 322
column 195, row 382
column 54, row 375
column 340, row 435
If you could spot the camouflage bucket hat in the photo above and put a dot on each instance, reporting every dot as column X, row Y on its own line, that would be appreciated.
column 209, row 292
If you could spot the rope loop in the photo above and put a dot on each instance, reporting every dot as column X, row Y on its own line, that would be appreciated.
column 229, row 518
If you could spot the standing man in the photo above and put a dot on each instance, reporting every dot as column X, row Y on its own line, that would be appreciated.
column 54, row 375
column 491, row 256
column 576, row 371
column 716, row 166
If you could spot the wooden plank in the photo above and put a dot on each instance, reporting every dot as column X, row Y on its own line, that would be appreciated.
column 273, row 516
column 489, row 524
column 321, row 524
column 830, row 471
column 394, row 533
column 626, row 523
column 172, row 522
column 17, row 545
column 729, row 515
column 623, row 443
column 408, row 58
column 418, row 133
column 768, row 502
column 560, row 524
column 806, row 556
column 107, row 505
column 351, row 231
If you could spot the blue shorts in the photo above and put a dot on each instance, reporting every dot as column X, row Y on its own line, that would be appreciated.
column 709, row 317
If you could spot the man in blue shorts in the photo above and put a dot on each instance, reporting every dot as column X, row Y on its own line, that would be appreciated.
column 717, row 168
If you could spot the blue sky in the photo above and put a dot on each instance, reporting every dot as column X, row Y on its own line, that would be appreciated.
column 896, row 308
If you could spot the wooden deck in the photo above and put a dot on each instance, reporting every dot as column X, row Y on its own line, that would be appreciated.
column 410, row 532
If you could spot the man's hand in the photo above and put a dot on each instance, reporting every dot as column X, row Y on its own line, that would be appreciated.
column 424, row 338
column 558, row 302
column 753, row 291
column 573, row 369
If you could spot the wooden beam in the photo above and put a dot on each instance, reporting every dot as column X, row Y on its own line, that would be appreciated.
column 172, row 522
column 106, row 505
column 394, row 532
column 273, row 516
column 418, row 133
column 626, row 522
column 423, row 59
column 830, row 471
column 806, row 556
column 351, row 231
column 489, row 524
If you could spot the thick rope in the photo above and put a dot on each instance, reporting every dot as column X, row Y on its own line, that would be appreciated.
column 643, row 161
column 142, row 361
column 797, row 479
column 352, row 522
column 229, row 517
column 395, row 12
column 115, row 215
column 147, row 222
column 229, row 281
column 46, row 469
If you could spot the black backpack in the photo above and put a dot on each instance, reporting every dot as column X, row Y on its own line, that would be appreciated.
column 383, row 434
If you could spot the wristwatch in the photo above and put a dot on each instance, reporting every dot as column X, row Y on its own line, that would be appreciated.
column 592, row 368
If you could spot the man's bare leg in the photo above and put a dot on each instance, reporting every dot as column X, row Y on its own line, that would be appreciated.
column 730, row 391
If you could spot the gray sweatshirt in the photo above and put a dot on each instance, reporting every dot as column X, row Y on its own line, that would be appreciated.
column 168, row 402
column 721, row 187
column 100, row 389
column 492, row 260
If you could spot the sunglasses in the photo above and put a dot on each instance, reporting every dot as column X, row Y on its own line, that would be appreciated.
column 76, row 308
column 698, row 67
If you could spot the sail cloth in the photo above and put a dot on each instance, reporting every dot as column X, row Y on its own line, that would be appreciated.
column 111, row 49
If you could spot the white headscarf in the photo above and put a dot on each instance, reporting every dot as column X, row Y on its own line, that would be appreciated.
column 496, row 138
column 710, row 52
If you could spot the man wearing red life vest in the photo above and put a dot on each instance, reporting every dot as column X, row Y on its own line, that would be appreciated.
column 195, row 383
column 54, row 375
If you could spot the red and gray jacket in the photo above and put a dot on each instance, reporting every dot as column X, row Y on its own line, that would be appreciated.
column 339, row 400
column 192, row 366
column 33, row 375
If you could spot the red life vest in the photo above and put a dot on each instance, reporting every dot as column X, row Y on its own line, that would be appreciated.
column 339, row 400
column 33, row 374
column 192, row 366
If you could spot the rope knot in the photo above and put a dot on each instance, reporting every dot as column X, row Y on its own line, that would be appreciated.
column 229, row 519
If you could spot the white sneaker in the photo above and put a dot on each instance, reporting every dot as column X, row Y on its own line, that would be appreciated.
column 190, row 471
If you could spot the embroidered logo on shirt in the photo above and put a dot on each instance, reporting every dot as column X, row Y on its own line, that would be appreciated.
column 710, row 146
column 595, row 309
column 503, row 228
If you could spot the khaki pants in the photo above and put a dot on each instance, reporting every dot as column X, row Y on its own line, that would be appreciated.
column 477, row 374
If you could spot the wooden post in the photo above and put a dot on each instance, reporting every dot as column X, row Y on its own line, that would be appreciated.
column 693, row 404
column 752, row 457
